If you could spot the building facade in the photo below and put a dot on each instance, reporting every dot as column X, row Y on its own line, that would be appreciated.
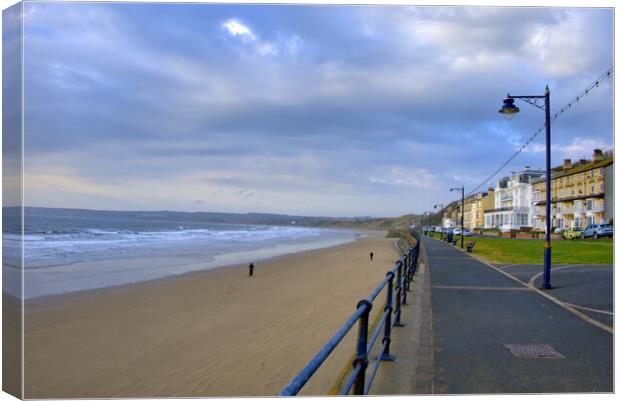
column 475, row 206
column 513, row 201
column 451, row 216
column 581, row 194
column 467, row 212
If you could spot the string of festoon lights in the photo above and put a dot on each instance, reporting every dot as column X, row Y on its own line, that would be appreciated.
column 563, row 109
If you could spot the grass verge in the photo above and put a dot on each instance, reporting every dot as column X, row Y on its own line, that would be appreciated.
column 530, row 251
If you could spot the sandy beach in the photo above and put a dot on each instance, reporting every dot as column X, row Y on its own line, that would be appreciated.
column 11, row 346
column 215, row 333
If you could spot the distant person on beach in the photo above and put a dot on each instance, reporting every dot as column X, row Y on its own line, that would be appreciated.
column 371, row 255
column 251, row 267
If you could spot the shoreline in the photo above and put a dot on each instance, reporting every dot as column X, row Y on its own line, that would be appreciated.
column 145, row 269
column 203, row 334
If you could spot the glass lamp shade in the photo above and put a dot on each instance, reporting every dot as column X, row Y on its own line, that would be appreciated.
column 509, row 109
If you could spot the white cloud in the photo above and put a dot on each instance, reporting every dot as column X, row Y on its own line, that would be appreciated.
column 560, row 48
column 581, row 148
column 236, row 28
column 535, row 148
column 266, row 49
column 419, row 178
column 294, row 44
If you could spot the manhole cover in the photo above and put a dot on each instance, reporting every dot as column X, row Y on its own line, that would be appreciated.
column 533, row 351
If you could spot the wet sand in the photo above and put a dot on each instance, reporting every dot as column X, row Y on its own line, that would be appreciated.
column 215, row 333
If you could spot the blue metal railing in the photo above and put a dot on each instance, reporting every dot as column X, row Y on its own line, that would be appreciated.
column 396, row 296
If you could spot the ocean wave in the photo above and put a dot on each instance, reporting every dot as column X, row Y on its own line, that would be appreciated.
column 95, row 243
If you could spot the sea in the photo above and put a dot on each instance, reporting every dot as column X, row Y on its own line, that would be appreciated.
column 67, row 250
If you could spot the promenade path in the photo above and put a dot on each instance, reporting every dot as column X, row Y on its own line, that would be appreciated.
column 473, row 329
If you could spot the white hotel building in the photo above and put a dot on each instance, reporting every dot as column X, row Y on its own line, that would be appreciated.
column 513, row 201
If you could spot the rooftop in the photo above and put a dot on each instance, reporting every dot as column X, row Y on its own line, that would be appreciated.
column 577, row 169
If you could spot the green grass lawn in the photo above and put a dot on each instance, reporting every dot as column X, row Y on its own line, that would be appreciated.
column 530, row 251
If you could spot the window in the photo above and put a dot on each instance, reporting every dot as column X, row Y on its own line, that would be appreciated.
column 592, row 189
column 589, row 207
column 591, row 173
column 600, row 172
column 601, row 187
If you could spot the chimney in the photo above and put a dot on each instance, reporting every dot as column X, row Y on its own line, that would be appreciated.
column 598, row 155
column 583, row 161
column 567, row 165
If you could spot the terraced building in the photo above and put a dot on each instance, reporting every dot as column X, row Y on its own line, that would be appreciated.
column 581, row 193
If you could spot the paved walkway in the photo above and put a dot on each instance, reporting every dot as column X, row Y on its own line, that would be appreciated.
column 474, row 328
column 485, row 326
column 586, row 288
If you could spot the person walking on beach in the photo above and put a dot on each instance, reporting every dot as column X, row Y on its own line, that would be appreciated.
column 251, row 267
column 371, row 255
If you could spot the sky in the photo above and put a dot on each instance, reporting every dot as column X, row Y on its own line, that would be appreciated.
column 298, row 109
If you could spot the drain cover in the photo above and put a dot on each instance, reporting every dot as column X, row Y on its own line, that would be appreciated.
column 533, row 351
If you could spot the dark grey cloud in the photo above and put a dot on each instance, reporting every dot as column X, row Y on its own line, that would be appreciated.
column 310, row 102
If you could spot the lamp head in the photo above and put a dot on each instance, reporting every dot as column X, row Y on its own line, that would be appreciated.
column 509, row 109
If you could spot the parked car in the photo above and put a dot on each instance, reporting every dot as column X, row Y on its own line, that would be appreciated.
column 457, row 231
column 572, row 233
column 467, row 232
column 558, row 230
column 598, row 230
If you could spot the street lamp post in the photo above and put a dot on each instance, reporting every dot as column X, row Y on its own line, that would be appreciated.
column 462, row 189
column 440, row 210
column 509, row 110
column 440, row 221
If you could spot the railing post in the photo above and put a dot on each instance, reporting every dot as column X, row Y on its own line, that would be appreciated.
column 387, row 328
column 361, row 358
column 416, row 251
column 411, row 267
column 399, row 289
column 411, row 261
column 405, row 277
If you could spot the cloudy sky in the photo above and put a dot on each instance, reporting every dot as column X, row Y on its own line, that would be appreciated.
column 313, row 110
